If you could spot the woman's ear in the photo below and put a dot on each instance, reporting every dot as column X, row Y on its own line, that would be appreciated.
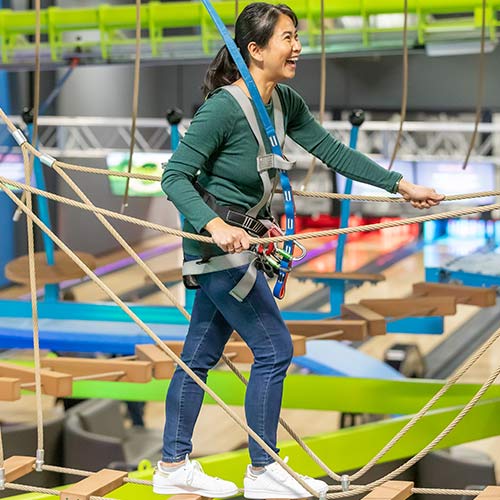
column 255, row 52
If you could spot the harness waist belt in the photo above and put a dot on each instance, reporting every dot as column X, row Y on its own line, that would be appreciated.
column 223, row 262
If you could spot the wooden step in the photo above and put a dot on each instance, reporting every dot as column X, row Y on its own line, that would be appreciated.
column 163, row 366
column 392, row 490
column 63, row 269
column 53, row 383
column 352, row 329
column 412, row 306
column 18, row 466
column 10, row 389
column 490, row 493
column 375, row 322
column 240, row 350
column 133, row 371
column 473, row 295
column 169, row 276
column 98, row 484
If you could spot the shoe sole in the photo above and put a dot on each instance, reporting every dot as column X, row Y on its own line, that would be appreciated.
column 172, row 490
column 263, row 495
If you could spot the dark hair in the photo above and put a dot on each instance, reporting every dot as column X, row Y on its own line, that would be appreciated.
column 256, row 23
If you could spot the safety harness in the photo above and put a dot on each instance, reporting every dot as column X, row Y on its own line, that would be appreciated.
column 268, row 258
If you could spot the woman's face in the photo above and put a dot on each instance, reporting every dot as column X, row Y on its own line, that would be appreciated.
column 279, row 57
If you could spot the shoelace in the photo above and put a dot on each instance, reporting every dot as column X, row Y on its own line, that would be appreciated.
column 196, row 467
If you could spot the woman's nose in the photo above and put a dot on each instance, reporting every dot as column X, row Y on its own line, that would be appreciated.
column 297, row 46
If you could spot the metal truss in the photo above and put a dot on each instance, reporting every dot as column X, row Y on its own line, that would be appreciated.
column 95, row 137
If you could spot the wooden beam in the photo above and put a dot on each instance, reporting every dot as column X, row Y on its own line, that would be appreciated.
column 133, row 371
column 10, row 389
column 473, row 295
column 315, row 275
column 413, row 306
column 354, row 329
column 163, row 366
column 392, row 490
column 490, row 493
column 243, row 354
column 375, row 322
column 97, row 484
column 17, row 466
column 64, row 268
column 53, row 383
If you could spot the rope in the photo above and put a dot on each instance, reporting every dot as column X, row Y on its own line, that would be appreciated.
column 276, row 239
column 404, row 96
column 34, row 311
column 409, row 425
column 437, row 491
column 322, row 91
column 135, row 98
column 480, row 87
column 427, row 448
column 159, row 342
column 36, row 92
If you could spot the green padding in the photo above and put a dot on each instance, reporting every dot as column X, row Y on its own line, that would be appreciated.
column 344, row 449
column 310, row 392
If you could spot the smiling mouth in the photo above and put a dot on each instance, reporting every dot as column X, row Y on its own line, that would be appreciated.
column 292, row 62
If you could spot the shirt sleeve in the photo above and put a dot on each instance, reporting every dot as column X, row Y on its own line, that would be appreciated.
column 308, row 133
column 206, row 134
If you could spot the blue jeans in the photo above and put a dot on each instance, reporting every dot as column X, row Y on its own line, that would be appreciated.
column 215, row 315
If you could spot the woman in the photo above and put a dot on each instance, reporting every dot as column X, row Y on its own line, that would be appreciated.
column 219, row 152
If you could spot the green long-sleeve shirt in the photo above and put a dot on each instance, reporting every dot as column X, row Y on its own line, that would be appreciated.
column 221, row 149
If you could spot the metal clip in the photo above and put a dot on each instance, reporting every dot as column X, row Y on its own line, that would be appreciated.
column 40, row 455
column 345, row 482
column 47, row 160
column 19, row 137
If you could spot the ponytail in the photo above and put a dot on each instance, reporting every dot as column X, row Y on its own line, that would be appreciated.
column 221, row 71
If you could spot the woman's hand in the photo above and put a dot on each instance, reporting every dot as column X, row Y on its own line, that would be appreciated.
column 419, row 196
column 230, row 238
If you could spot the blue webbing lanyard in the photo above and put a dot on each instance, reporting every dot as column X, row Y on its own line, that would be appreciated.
column 285, row 265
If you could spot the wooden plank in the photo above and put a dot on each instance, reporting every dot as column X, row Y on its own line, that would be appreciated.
column 392, row 490
column 413, row 306
column 134, row 371
column 97, row 484
column 354, row 329
column 18, row 466
column 53, row 383
column 63, row 269
column 163, row 366
column 375, row 322
column 10, row 389
column 315, row 275
column 490, row 493
column 242, row 352
column 473, row 295
column 169, row 276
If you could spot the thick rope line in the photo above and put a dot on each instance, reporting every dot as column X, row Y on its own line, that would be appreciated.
column 480, row 87
column 465, row 410
column 158, row 341
column 34, row 309
column 404, row 93
column 183, row 311
column 36, row 92
column 409, row 425
column 322, row 92
column 311, row 194
column 276, row 239
column 135, row 98
column 441, row 491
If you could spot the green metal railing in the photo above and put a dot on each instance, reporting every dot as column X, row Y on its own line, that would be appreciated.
column 102, row 33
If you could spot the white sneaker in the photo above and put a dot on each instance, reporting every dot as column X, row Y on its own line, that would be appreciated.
column 190, row 478
column 275, row 482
